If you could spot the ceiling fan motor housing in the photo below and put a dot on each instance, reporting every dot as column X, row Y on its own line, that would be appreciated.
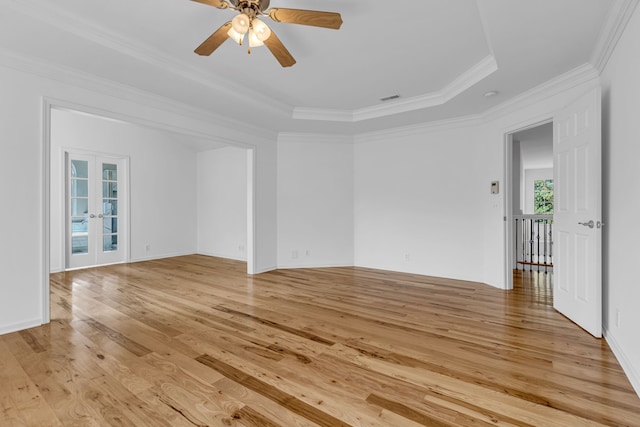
column 257, row 5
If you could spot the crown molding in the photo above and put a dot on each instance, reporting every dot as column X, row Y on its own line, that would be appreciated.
column 47, row 12
column 569, row 80
column 419, row 129
column 313, row 138
column 617, row 19
column 75, row 78
column 472, row 76
column 323, row 114
column 578, row 76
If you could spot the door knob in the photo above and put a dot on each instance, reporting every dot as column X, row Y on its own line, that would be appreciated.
column 92, row 216
column 589, row 224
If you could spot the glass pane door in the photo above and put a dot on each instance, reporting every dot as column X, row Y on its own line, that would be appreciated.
column 109, row 207
column 79, row 207
column 94, row 218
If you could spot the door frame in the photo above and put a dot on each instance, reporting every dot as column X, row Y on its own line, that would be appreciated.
column 508, row 189
column 124, row 206
column 45, row 191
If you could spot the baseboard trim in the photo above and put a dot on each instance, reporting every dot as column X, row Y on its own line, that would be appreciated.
column 265, row 269
column 156, row 257
column 223, row 256
column 297, row 266
column 7, row 329
column 627, row 366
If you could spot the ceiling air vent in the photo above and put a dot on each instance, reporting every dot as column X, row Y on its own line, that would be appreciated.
column 390, row 98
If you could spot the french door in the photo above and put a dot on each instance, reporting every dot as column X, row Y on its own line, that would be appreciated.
column 96, row 210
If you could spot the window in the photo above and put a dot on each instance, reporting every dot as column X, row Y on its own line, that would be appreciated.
column 543, row 196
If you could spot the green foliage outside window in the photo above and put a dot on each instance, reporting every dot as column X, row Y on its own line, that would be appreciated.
column 543, row 196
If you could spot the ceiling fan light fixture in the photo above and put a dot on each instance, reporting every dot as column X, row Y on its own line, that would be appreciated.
column 254, row 40
column 235, row 36
column 241, row 23
column 261, row 30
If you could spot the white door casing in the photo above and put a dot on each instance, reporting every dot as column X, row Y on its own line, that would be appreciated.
column 578, row 212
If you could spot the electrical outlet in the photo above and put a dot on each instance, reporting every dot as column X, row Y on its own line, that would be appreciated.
column 407, row 257
column 294, row 254
column 307, row 253
column 147, row 247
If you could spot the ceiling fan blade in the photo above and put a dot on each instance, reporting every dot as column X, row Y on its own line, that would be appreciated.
column 220, row 4
column 314, row 18
column 279, row 51
column 214, row 41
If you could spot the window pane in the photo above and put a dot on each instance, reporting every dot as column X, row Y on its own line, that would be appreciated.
column 79, row 168
column 80, row 245
column 109, row 171
column 110, row 190
column 79, row 188
column 543, row 196
column 109, row 207
column 110, row 243
column 79, row 225
column 110, row 225
column 79, row 207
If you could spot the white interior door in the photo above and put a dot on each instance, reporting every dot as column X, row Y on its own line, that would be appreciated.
column 578, row 213
column 95, row 220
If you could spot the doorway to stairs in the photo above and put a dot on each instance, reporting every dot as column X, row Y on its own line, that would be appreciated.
column 577, row 211
column 532, row 205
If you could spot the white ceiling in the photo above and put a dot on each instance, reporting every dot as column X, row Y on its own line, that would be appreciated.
column 440, row 56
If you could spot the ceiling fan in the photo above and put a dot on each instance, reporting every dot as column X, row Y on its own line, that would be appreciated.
column 259, row 33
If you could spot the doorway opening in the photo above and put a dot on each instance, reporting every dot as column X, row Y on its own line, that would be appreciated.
column 530, row 211
column 157, row 191
column 577, row 209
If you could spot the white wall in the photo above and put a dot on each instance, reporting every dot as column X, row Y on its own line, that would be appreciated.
column 621, row 191
column 516, row 173
column 530, row 176
column 522, row 182
column 265, row 210
column 24, row 85
column 315, row 201
column 222, row 203
column 21, row 219
column 162, row 182
column 419, row 202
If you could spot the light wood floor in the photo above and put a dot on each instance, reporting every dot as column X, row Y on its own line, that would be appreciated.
column 193, row 341
column 535, row 286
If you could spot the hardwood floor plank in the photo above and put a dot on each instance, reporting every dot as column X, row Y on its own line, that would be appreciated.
column 21, row 403
column 410, row 413
column 285, row 400
column 252, row 418
column 194, row 340
column 32, row 341
column 118, row 338
column 265, row 406
column 275, row 325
